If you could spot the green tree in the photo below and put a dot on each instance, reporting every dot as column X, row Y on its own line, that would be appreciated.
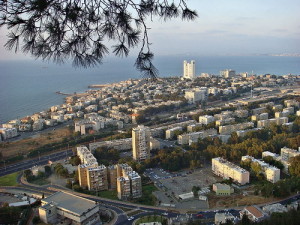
column 294, row 168
column 28, row 175
column 75, row 160
column 48, row 170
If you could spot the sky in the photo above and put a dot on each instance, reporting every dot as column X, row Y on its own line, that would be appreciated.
column 224, row 27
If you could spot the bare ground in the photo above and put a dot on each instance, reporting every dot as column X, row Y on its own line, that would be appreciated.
column 26, row 145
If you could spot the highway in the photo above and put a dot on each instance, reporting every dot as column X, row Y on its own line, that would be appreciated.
column 27, row 164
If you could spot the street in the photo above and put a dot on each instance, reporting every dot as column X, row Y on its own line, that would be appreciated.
column 41, row 160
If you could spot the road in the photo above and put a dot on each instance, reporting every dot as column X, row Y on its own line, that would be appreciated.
column 122, row 218
column 42, row 160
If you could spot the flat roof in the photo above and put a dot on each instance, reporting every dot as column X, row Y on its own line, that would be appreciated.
column 70, row 202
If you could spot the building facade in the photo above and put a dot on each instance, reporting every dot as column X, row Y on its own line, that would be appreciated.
column 141, row 143
column 66, row 208
column 189, row 69
column 226, row 169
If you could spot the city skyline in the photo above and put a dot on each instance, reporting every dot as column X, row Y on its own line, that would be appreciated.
column 222, row 28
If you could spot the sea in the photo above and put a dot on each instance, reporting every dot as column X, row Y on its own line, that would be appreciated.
column 30, row 86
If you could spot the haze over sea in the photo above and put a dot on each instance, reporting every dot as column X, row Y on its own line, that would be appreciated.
column 29, row 86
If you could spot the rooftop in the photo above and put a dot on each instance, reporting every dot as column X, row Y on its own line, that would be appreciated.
column 254, row 211
column 73, row 203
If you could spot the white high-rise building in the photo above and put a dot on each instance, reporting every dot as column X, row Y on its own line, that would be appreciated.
column 141, row 143
column 189, row 69
column 227, row 73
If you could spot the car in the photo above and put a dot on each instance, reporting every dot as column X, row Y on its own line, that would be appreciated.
column 131, row 218
column 199, row 215
column 164, row 214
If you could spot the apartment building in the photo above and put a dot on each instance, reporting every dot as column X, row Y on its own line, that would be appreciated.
column 225, row 121
column 206, row 119
column 129, row 183
column 112, row 176
column 170, row 133
column 228, row 129
column 83, row 125
column 193, row 127
column 196, row 95
column 141, row 143
column 123, row 187
column 267, row 123
column 97, row 178
column 243, row 133
column 85, row 156
column 8, row 133
column 277, row 107
column 272, row 173
column 189, row 138
column 241, row 113
column 226, row 169
column 228, row 73
column 189, row 69
column 287, row 153
column 257, row 111
column 262, row 116
column 83, row 174
column 135, row 184
column 119, row 144
column 291, row 103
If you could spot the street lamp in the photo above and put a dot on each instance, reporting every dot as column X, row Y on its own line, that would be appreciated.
column 4, row 165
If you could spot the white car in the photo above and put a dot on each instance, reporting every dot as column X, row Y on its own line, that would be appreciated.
column 164, row 214
column 131, row 218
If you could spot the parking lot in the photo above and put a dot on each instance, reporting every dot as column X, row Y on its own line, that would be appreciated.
column 171, row 185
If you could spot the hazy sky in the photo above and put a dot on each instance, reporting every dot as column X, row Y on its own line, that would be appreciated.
column 224, row 27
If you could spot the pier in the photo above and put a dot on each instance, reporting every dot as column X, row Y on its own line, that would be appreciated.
column 62, row 93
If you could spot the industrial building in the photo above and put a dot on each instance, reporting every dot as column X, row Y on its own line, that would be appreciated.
column 66, row 208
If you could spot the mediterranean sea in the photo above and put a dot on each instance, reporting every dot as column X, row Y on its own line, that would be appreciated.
column 29, row 86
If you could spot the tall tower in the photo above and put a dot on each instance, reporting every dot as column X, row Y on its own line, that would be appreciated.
column 141, row 143
column 189, row 69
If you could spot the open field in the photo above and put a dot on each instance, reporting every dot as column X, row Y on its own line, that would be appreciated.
column 108, row 194
column 9, row 180
column 236, row 200
column 27, row 144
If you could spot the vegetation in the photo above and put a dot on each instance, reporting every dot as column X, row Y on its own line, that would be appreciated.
column 294, row 168
column 152, row 218
column 9, row 180
column 10, row 215
column 40, row 178
column 107, row 156
column 147, row 198
column 108, row 194
column 61, row 171
column 75, row 160
column 282, row 188
column 79, row 30
column 67, row 142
